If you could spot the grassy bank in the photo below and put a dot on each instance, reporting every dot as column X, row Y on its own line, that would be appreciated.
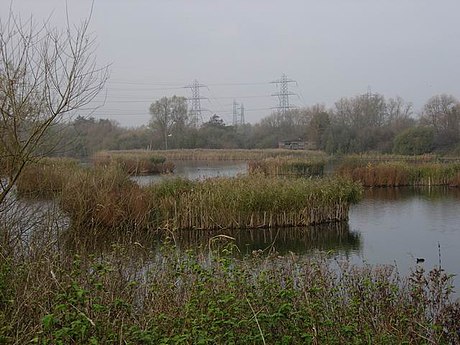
column 235, row 155
column 132, row 297
column 365, row 158
column 395, row 174
column 287, row 167
column 134, row 162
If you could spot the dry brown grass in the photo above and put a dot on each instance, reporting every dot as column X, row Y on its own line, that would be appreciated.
column 396, row 174
column 105, row 197
column 235, row 155
column 134, row 162
column 287, row 167
column 46, row 177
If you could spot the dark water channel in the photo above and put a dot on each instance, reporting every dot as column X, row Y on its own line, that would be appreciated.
column 389, row 226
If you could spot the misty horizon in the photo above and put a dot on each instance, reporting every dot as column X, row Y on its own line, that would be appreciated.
column 331, row 49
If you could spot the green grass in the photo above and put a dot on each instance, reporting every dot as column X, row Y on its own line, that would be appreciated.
column 122, row 296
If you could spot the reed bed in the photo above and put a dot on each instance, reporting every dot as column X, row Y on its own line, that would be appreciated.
column 365, row 158
column 104, row 197
column 47, row 177
column 396, row 174
column 232, row 155
column 134, row 162
column 252, row 202
column 287, row 167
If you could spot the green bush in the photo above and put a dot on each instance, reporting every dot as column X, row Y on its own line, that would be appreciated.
column 414, row 141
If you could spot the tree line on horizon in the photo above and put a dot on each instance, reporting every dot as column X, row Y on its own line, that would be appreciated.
column 363, row 123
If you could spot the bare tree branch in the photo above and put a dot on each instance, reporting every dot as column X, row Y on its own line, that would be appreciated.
column 45, row 73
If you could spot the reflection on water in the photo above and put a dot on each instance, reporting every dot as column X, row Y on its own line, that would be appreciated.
column 403, row 193
column 400, row 225
column 335, row 237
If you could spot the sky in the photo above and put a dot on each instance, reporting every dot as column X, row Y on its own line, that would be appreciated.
column 331, row 48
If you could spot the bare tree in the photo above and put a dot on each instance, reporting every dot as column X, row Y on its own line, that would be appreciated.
column 399, row 114
column 368, row 110
column 442, row 112
column 45, row 74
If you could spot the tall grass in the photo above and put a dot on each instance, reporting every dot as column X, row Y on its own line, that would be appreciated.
column 287, row 167
column 134, row 162
column 106, row 198
column 395, row 174
column 365, row 158
column 46, row 178
column 251, row 202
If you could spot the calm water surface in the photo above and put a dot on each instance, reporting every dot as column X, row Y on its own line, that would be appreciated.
column 400, row 225
column 197, row 170
column 389, row 226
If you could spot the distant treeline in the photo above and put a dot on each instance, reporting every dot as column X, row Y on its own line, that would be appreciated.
column 368, row 122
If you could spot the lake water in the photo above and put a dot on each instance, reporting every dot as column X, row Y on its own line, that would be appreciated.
column 400, row 225
column 389, row 226
column 197, row 170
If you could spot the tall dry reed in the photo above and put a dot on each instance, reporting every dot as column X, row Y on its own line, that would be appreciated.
column 234, row 154
column 105, row 197
column 251, row 202
column 287, row 167
column 134, row 162
column 47, row 177
column 395, row 174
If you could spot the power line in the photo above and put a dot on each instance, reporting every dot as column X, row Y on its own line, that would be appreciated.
column 165, row 83
column 236, row 84
column 111, row 88
column 150, row 99
column 123, row 82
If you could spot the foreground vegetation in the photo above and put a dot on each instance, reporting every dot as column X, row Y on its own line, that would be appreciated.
column 134, row 296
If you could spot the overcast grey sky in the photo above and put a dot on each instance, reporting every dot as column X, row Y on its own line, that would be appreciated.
column 332, row 48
